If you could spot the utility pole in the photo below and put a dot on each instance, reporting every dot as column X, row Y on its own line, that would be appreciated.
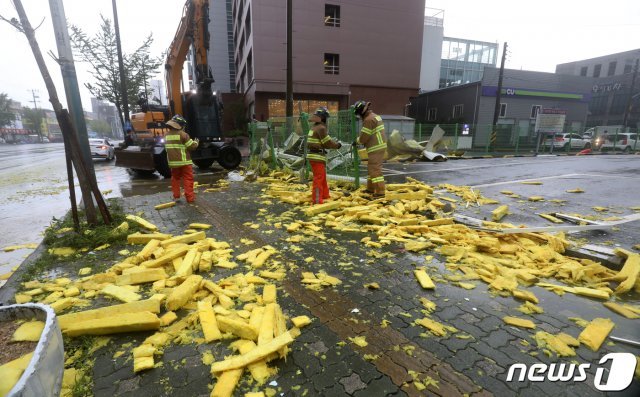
column 289, row 65
column 496, row 110
column 70, row 79
column 35, row 108
column 123, row 77
column 633, row 86
column 72, row 91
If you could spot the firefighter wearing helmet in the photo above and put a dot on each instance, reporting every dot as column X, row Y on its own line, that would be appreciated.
column 318, row 142
column 374, row 140
column 178, row 145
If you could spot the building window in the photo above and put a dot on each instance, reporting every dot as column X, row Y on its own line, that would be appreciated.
column 628, row 65
column 503, row 110
column 250, row 66
column 331, row 63
column 332, row 15
column 431, row 114
column 535, row 109
column 583, row 70
column 612, row 68
column 457, row 110
column 596, row 70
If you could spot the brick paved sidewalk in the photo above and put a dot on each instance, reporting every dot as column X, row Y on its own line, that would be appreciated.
column 323, row 361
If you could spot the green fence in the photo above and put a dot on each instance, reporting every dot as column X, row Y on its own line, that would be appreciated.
column 280, row 144
column 513, row 139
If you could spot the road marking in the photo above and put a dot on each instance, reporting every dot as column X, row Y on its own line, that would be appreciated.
column 394, row 171
column 472, row 168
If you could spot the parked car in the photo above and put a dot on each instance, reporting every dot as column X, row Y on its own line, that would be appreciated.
column 101, row 148
column 563, row 141
column 625, row 142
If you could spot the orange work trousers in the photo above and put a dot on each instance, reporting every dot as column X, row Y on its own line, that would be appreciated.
column 320, row 190
column 182, row 175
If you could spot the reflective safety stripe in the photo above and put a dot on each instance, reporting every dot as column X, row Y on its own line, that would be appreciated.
column 366, row 130
column 325, row 139
column 313, row 140
column 189, row 143
column 172, row 138
column 377, row 179
column 316, row 157
column 173, row 164
column 378, row 119
column 375, row 148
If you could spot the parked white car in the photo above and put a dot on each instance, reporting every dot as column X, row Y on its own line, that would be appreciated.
column 101, row 148
column 564, row 141
column 625, row 142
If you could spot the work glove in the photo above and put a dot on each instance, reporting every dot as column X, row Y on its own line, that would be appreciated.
column 339, row 145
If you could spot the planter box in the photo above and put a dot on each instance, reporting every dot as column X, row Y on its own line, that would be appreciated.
column 43, row 375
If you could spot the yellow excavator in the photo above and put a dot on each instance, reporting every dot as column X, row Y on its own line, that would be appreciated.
column 200, row 107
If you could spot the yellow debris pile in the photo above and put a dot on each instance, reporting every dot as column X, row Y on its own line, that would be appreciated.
column 319, row 280
column 151, row 287
column 506, row 262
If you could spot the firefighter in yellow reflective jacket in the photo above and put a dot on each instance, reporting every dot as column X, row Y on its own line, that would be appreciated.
column 178, row 145
column 374, row 140
column 317, row 143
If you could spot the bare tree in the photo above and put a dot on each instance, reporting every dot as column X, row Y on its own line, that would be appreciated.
column 72, row 144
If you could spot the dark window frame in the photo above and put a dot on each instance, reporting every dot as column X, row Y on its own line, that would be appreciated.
column 332, row 15
column 331, row 63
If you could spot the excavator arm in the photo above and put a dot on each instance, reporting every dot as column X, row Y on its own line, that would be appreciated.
column 192, row 31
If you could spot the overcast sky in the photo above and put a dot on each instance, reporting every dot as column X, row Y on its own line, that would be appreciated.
column 541, row 34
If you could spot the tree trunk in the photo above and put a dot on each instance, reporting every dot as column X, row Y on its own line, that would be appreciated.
column 87, row 184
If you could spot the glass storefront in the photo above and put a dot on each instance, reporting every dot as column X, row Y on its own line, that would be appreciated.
column 278, row 107
column 463, row 61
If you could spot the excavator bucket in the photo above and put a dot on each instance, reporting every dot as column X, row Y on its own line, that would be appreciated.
column 135, row 158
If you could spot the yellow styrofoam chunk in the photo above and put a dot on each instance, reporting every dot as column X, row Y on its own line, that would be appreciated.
column 621, row 310
column 168, row 318
column 165, row 205
column 147, row 305
column 183, row 293
column 424, row 279
column 141, row 276
column 208, row 322
column 203, row 226
column 269, row 293
column 237, row 327
column 301, row 321
column 596, row 332
column 226, row 383
column 142, row 222
column 120, row 293
column 499, row 213
column 144, row 350
column 186, row 239
column 254, row 355
column 166, row 258
column 127, row 322
column 142, row 363
column 265, row 334
column 519, row 322
column 29, row 331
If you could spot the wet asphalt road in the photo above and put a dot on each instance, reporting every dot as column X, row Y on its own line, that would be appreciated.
column 609, row 181
column 33, row 189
